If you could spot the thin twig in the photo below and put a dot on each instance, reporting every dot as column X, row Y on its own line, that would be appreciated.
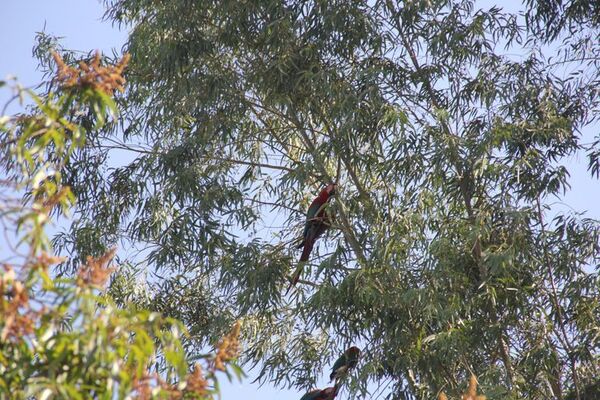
column 266, row 203
column 123, row 146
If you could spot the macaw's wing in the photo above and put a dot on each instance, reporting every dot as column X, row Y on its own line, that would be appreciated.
column 339, row 366
column 314, row 213
column 313, row 230
column 314, row 208
column 347, row 361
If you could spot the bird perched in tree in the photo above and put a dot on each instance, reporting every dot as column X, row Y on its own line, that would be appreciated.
column 318, row 394
column 317, row 222
column 347, row 361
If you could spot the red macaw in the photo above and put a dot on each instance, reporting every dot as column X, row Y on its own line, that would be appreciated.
column 317, row 222
column 345, row 362
column 318, row 394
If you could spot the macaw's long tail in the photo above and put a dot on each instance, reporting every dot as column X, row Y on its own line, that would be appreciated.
column 295, row 276
column 308, row 246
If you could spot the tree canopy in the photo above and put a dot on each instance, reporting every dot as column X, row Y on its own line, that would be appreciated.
column 448, row 128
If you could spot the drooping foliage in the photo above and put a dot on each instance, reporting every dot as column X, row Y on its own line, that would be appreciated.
column 448, row 128
column 66, row 338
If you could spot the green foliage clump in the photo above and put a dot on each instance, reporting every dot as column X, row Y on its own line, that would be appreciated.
column 65, row 338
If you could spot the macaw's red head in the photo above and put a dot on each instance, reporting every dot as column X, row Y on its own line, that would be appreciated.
column 330, row 189
column 326, row 193
column 353, row 354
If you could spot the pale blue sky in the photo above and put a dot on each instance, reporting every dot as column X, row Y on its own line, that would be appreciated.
column 79, row 22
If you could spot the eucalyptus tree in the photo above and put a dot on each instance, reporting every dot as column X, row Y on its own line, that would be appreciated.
column 448, row 129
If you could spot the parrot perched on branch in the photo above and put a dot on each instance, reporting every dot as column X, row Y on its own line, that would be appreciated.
column 318, row 394
column 317, row 222
column 347, row 361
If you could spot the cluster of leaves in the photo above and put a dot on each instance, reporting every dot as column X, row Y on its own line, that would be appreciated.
column 452, row 127
column 65, row 337
column 93, row 75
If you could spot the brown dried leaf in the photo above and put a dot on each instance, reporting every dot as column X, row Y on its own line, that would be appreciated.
column 96, row 271
column 105, row 78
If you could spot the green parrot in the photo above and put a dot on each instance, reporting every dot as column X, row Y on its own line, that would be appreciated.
column 347, row 361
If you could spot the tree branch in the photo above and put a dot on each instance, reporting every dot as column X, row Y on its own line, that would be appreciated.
column 361, row 190
column 554, row 300
column 266, row 203
column 123, row 146
column 348, row 231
